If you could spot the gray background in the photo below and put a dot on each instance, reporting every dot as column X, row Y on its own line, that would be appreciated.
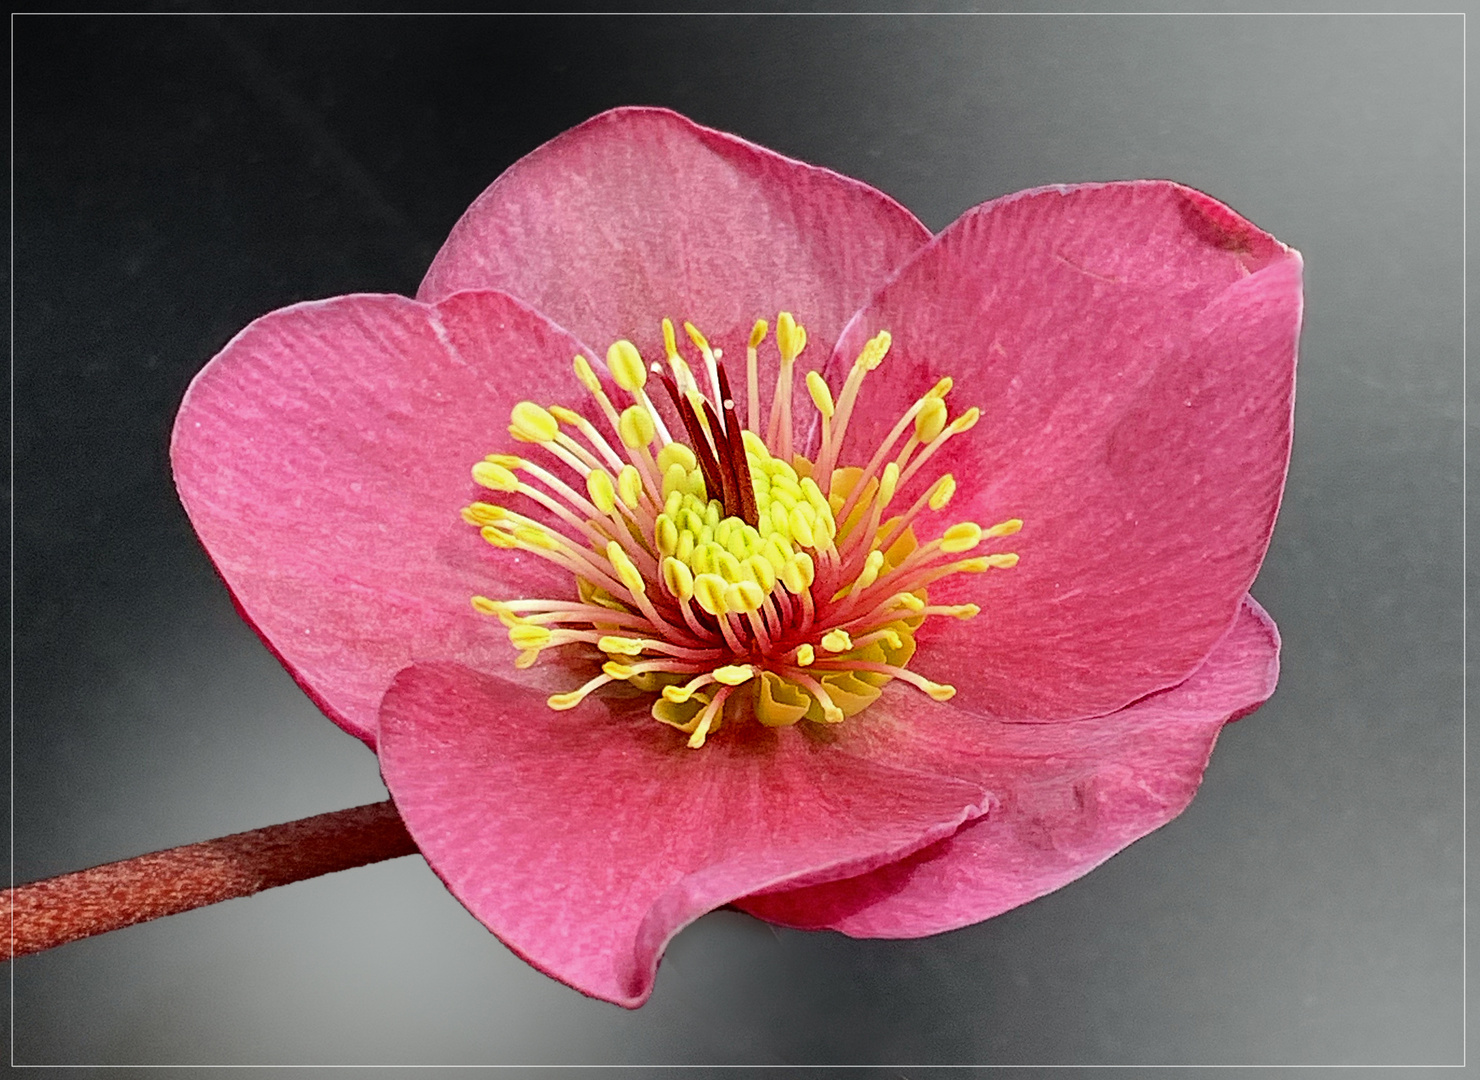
column 175, row 177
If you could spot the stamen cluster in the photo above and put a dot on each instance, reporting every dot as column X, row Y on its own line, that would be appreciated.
column 720, row 560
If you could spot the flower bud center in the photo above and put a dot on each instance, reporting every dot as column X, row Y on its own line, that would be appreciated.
column 713, row 567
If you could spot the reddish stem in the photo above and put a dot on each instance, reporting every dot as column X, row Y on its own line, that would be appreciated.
column 45, row 914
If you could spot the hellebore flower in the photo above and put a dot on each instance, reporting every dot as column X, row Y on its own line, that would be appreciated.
column 884, row 709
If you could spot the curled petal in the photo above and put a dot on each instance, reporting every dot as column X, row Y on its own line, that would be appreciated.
column 586, row 839
column 1132, row 347
column 640, row 213
column 323, row 457
column 1065, row 797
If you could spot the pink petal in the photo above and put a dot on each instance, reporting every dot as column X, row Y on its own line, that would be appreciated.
column 323, row 457
column 586, row 839
column 1132, row 347
column 639, row 214
column 1065, row 797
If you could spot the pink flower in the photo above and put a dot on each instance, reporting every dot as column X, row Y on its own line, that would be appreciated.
column 854, row 750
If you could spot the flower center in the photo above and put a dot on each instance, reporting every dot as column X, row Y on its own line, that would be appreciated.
column 716, row 569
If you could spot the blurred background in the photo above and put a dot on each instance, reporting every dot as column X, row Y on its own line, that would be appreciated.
column 176, row 176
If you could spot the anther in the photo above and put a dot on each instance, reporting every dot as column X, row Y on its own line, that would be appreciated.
column 603, row 494
column 625, row 363
column 837, row 641
column 629, row 574
column 624, row 646
column 930, row 421
column 533, row 424
column 495, row 477
column 586, row 376
column 791, row 338
column 821, row 394
column 961, row 537
column 636, row 427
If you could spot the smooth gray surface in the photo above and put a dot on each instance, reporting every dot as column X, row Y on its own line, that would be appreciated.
column 175, row 177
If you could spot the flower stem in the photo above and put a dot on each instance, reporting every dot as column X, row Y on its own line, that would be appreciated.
column 52, row 912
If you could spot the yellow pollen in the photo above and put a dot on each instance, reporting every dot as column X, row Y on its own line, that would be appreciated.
column 528, row 636
column 931, row 420
column 627, row 572
column 533, row 424
column 966, row 421
column 498, row 537
column 495, row 477
column 939, row 691
column 943, row 492
column 676, row 453
column 873, row 352
column 636, row 427
column 871, row 567
column 962, row 537
column 534, row 536
column 709, row 590
column 481, row 513
column 625, row 646
column 758, row 333
column 821, row 395
column 791, row 339
column 603, row 494
column 625, row 363
column 798, row 573
column 629, row 486
column 586, row 376
column 733, row 674
column 889, row 484
column 837, row 640
column 678, row 578
column 806, row 655
column 744, row 596
column 700, row 342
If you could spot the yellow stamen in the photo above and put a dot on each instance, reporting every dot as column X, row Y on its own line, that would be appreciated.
column 733, row 674
column 495, row 477
column 628, row 573
column 821, row 395
column 837, row 641
column 587, row 376
column 791, row 338
column 625, row 363
column 533, row 424
column 943, row 492
column 931, row 419
column 629, row 485
column 636, row 427
column 961, row 537
column 603, row 493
